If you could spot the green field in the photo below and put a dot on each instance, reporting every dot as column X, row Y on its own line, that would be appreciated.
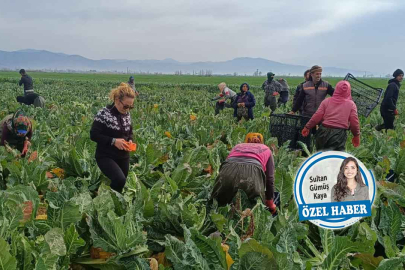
column 57, row 210
column 292, row 81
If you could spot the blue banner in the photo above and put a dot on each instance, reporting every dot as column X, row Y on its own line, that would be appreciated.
column 328, row 211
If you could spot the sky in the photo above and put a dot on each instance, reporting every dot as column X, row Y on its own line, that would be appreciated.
column 365, row 35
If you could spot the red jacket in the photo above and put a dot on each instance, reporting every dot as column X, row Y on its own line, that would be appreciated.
column 339, row 111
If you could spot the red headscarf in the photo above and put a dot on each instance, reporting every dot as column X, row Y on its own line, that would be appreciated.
column 342, row 92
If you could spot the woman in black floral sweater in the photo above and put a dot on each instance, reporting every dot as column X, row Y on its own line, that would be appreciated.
column 112, row 130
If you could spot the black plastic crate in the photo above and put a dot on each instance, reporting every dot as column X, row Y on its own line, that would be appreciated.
column 365, row 96
column 288, row 127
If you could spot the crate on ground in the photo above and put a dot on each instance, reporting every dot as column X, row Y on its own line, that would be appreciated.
column 365, row 96
column 288, row 127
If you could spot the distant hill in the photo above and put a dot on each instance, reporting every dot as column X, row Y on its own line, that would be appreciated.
column 45, row 60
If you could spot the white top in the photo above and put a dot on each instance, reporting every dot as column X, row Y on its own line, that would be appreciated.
column 228, row 92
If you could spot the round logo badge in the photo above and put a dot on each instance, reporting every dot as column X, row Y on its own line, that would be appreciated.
column 334, row 190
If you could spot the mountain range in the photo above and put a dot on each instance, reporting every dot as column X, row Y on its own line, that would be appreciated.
column 45, row 60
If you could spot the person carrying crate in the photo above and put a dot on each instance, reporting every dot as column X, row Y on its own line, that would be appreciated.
column 272, row 89
column 388, row 107
column 313, row 92
column 249, row 167
column 337, row 114
column 224, row 95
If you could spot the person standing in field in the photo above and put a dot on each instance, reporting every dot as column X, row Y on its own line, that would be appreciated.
column 249, row 167
column 299, row 88
column 224, row 95
column 131, row 83
column 388, row 107
column 26, row 80
column 244, row 103
column 284, row 93
column 337, row 114
column 16, row 132
column 112, row 131
column 272, row 89
column 313, row 92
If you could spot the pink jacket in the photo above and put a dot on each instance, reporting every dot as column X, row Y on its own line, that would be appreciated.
column 339, row 111
column 257, row 151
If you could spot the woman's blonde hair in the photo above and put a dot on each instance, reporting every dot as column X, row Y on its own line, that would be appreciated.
column 123, row 90
column 222, row 86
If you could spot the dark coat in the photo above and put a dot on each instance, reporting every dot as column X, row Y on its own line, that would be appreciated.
column 389, row 103
column 109, row 123
column 250, row 104
column 27, row 81
column 311, row 96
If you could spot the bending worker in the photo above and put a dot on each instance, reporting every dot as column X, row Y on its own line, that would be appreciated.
column 16, row 132
column 249, row 167
column 224, row 95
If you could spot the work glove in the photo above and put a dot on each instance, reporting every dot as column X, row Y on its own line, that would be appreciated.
column 305, row 132
column 275, row 94
column 356, row 141
column 272, row 207
column 396, row 112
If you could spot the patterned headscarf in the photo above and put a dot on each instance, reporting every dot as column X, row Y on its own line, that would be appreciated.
column 19, row 123
column 254, row 138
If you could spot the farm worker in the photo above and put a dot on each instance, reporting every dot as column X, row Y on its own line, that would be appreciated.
column 244, row 103
column 16, row 132
column 272, row 89
column 249, row 167
column 350, row 185
column 224, row 95
column 388, row 107
column 29, row 97
column 284, row 93
column 111, row 130
column 299, row 88
column 27, row 81
column 313, row 92
column 131, row 82
column 337, row 114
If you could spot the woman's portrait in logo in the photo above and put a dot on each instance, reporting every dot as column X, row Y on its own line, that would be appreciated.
column 334, row 190
column 350, row 185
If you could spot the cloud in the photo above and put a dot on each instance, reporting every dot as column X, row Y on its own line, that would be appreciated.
column 290, row 31
column 335, row 14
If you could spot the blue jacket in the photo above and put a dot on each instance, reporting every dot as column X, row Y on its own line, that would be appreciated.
column 250, row 104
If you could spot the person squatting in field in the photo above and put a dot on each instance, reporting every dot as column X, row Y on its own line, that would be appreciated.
column 272, row 89
column 284, row 93
column 112, row 130
column 16, row 132
column 307, row 75
column 243, row 103
column 388, row 107
column 349, row 186
column 249, row 167
column 313, row 92
column 337, row 114
column 224, row 95
column 29, row 98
